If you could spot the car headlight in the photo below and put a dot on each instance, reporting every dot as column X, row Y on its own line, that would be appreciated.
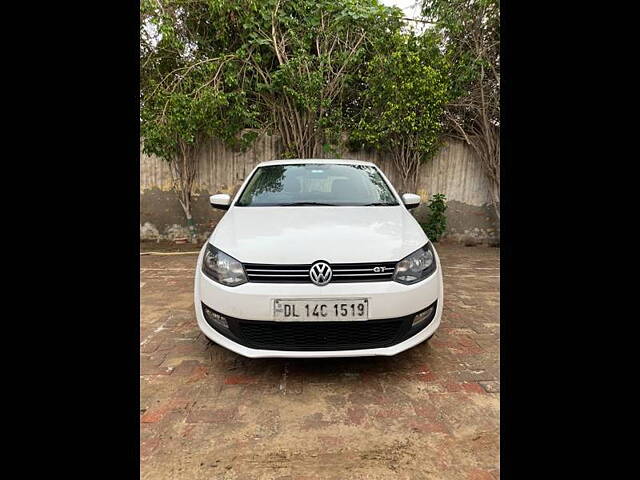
column 415, row 267
column 222, row 268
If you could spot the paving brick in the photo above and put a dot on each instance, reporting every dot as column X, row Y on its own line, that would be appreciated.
column 189, row 368
column 355, row 415
column 315, row 421
column 212, row 415
column 157, row 413
column 239, row 380
column 149, row 347
column 422, row 425
column 491, row 387
column 149, row 368
column 471, row 387
column 479, row 474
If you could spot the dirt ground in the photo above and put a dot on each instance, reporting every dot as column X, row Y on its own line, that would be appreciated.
column 431, row 412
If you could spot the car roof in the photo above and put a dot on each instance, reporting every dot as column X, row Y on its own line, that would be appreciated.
column 297, row 161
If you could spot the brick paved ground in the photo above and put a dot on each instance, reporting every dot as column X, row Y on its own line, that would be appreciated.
column 431, row 412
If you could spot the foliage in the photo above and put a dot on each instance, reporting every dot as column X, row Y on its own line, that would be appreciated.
column 188, row 91
column 188, row 88
column 403, row 102
column 436, row 223
column 471, row 32
column 303, row 58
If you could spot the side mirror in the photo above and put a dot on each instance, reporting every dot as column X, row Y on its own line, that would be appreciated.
column 410, row 200
column 220, row 200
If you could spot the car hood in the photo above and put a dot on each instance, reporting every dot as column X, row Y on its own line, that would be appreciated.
column 286, row 235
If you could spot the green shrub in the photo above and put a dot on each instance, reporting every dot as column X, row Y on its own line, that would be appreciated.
column 436, row 223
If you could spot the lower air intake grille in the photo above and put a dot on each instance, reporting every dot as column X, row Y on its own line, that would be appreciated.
column 320, row 335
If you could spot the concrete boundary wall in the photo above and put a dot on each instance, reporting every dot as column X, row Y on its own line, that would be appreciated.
column 454, row 171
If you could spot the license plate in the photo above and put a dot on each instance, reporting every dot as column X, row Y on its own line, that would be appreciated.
column 325, row 310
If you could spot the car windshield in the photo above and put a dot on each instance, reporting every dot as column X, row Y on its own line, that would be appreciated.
column 316, row 185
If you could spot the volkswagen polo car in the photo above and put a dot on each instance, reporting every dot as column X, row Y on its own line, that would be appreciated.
column 318, row 258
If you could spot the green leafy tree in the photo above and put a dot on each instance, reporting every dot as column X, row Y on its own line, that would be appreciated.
column 302, row 58
column 402, row 102
column 471, row 33
column 189, row 91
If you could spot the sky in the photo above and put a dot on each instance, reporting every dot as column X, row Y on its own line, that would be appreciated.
column 411, row 8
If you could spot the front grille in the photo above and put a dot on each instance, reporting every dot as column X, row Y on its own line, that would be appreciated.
column 342, row 272
column 319, row 335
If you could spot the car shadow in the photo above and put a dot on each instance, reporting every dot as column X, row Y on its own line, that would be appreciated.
column 401, row 364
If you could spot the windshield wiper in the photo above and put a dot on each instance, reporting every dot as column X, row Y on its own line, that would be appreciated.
column 295, row 204
column 378, row 204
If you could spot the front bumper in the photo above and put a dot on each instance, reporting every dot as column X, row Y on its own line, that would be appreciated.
column 254, row 301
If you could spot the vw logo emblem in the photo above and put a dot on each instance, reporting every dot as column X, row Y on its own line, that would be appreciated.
column 320, row 273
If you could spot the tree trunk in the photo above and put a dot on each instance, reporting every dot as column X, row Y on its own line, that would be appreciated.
column 407, row 163
column 184, row 170
column 490, row 157
column 190, row 224
column 184, row 196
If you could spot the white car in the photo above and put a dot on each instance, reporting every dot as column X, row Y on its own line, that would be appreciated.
column 318, row 258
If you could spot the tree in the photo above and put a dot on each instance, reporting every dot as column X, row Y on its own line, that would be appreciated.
column 302, row 57
column 405, row 90
column 188, row 91
column 471, row 31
